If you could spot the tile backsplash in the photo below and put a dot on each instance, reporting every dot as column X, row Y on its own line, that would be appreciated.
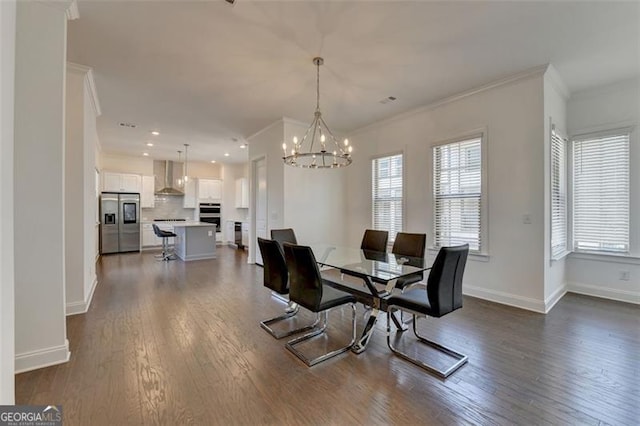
column 168, row 207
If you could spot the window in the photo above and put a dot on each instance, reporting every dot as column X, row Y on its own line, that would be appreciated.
column 457, row 189
column 601, row 193
column 387, row 194
column 558, row 195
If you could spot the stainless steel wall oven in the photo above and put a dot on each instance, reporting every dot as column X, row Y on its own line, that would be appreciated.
column 210, row 213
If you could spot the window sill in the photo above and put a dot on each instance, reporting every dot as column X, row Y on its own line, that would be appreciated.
column 561, row 256
column 479, row 257
column 606, row 257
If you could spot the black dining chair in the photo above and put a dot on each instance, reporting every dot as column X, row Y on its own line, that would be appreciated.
column 443, row 295
column 374, row 240
column 285, row 235
column 311, row 291
column 276, row 278
column 412, row 245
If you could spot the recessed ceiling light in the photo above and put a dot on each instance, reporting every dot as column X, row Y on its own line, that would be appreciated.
column 243, row 146
column 146, row 154
column 155, row 132
column 149, row 144
column 388, row 99
column 226, row 154
column 213, row 161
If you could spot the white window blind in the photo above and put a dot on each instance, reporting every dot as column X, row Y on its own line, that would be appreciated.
column 387, row 194
column 457, row 187
column 558, row 195
column 601, row 193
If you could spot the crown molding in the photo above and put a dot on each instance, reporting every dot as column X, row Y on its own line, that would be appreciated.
column 93, row 93
column 556, row 81
column 73, row 12
column 69, row 7
column 264, row 129
column 78, row 68
column 91, row 84
column 287, row 120
column 513, row 78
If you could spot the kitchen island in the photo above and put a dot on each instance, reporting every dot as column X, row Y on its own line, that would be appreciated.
column 195, row 240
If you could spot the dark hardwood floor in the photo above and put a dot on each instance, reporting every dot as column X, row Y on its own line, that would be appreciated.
column 175, row 343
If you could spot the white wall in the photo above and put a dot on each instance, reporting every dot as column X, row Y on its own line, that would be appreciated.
column 314, row 199
column 7, row 59
column 511, row 114
column 126, row 164
column 312, row 202
column 144, row 166
column 74, row 188
column 604, row 108
column 91, row 111
column 267, row 143
column 555, row 111
column 80, row 198
column 40, row 332
column 203, row 170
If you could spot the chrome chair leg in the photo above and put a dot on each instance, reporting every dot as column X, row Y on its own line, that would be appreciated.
column 291, row 345
column 461, row 358
column 166, row 254
column 290, row 312
column 291, row 306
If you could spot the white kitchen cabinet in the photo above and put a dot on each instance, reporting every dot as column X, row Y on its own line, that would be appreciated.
column 111, row 181
column 209, row 189
column 121, row 182
column 147, row 198
column 149, row 238
column 245, row 234
column 190, row 200
column 242, row 193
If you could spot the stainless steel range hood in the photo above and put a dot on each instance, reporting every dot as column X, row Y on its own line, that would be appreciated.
column 167, row 174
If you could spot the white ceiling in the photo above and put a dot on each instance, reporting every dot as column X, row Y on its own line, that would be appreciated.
column 205, row 72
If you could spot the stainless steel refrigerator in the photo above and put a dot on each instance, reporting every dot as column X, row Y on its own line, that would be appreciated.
column 119, row 222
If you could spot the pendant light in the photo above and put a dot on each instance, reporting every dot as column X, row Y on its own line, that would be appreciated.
column 186, row 172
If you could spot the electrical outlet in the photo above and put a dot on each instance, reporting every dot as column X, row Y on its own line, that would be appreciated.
column 625, row 276
column 526, row 219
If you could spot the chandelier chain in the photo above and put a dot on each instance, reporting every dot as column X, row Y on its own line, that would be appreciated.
column 318, row 86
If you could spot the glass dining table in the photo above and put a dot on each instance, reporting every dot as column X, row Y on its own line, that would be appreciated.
column 376, row 273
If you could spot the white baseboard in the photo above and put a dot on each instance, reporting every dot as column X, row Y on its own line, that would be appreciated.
column 505, row 298
column 605, row 293
column 81, row 307
column 554, row 298
column 42, row 358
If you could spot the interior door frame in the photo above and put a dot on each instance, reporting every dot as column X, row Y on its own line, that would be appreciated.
column 253, row 202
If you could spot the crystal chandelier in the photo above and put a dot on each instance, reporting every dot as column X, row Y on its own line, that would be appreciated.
column 318, row 148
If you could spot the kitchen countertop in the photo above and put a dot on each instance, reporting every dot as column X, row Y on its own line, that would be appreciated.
column 191, row 223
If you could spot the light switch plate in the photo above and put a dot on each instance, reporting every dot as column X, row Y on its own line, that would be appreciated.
column 526, row 219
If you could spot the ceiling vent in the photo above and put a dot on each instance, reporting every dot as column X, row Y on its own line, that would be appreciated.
column 231, row 2
column 388, row 99
column 129, row 125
